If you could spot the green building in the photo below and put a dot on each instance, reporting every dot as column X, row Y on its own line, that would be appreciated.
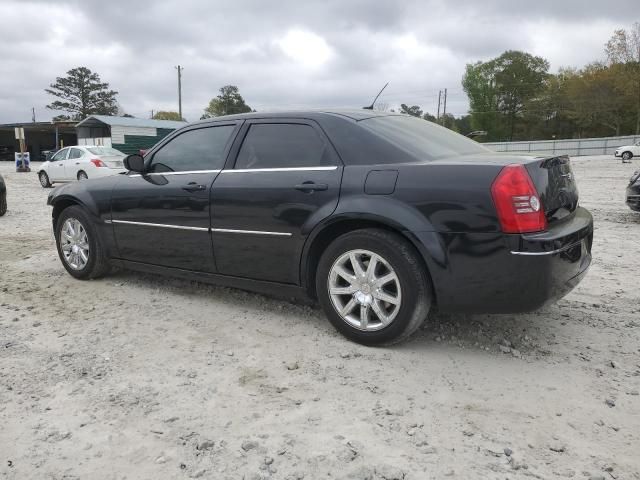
column 129, row 135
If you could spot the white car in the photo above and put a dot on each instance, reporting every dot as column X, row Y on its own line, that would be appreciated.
column 80, row 163
column 627, row 152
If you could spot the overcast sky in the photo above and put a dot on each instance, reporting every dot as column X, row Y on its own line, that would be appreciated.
column 285, row 53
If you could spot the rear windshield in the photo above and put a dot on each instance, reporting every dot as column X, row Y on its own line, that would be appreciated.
column 106, row 151
column 421, row 138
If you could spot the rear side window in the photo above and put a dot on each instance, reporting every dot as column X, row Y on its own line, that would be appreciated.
column 201, row 149
column 75, row 153
column 422, row 139
column 282, row 145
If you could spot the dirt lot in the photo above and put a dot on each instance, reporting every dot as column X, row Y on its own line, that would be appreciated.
column 139, row 377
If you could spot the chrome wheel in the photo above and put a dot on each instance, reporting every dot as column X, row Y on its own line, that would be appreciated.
column 74, row 244
column 364, row 289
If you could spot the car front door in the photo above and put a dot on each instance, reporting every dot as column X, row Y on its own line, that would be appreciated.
column 56, row 166
column 285, row 178
column 162, row 217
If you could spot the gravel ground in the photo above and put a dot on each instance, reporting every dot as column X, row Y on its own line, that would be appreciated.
column 139, row 377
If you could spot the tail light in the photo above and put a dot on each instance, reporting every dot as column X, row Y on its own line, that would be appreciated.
column 517, row 202
column 98, row 163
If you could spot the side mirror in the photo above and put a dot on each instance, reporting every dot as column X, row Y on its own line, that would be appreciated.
column 134, row 163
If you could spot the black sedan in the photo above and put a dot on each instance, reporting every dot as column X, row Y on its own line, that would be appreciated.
column 633, row 192
column 381, row 217
column 3, row 197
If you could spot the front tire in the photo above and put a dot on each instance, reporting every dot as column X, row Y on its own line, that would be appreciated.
column 3, row 203
column 373, row 287
column 79, row 246
column 627, row 156
column 44, row 180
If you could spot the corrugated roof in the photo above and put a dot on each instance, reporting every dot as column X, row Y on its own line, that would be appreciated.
column 130, row 122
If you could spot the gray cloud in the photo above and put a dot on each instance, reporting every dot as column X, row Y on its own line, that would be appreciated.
column 342, row 53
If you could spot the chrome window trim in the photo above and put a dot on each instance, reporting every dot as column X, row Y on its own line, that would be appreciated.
column 552, row 252
column 251, row 232
column 280, row 169
column 161, row 225
column 164, row 174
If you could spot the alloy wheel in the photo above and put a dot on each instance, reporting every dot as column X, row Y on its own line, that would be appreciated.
column 43, row 179
column 74, row 243
column 365, row 290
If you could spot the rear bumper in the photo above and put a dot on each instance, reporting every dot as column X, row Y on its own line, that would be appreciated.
column 633, row 196
column 498, row 273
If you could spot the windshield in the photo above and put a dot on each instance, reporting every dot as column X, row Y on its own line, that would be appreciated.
column 106, row 151
column 421, row 138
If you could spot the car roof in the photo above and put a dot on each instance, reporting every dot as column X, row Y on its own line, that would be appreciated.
column 355, row 115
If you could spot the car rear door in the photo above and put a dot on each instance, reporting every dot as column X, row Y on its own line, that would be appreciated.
column 56, row 166
column 162, row 217
column 72, row 165
column 285, row 179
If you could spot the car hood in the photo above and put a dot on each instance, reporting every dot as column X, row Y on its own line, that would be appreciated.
column 80, row 189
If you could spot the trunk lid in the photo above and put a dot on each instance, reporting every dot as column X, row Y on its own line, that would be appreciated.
column 112, row 161
column 556, row 185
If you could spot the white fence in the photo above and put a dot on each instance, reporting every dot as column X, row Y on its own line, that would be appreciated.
column 575, row 147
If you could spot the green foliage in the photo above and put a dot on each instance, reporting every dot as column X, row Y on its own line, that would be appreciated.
column 81, row 93
column 228, row 102
column 414, row 111
column 500, row 88
column 166, row 115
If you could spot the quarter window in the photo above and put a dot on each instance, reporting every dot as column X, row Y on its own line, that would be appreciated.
column 279, row 145
column 201, row 149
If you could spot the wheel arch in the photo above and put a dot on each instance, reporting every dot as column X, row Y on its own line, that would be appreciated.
column 324, row 234
column 62, row 202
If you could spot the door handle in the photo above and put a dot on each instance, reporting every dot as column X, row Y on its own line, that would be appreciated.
column 311, row 187
column 77, row 163
column 194, row 187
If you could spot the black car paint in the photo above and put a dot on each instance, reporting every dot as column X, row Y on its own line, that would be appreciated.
column 632, row 196
column 443, row 207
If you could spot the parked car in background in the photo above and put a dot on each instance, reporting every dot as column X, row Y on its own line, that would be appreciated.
column 3, row 196
column 633, row 192
column 379, row 216
column 45, row 155
column 627, row 152
column 6, row 153
column 81, row 163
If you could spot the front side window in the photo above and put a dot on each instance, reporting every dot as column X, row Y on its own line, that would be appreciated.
column 61, row 155
column 280, row 145
column 201, row 149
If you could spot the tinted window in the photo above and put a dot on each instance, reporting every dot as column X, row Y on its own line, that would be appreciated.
column 201, row 149
column 421, row 138
column 61, row 155
column 75, row 153
column 282, row 145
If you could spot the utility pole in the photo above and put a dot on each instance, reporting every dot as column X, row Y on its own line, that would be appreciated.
column 179, row 68
column 444, row 109
column 439, row 97
column 33, row 114
column 151, row 114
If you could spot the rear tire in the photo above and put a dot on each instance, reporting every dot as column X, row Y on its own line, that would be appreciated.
column 379, row 305
column 44, row 180
column 82, row 176
column 3, row 203
column 75, row 228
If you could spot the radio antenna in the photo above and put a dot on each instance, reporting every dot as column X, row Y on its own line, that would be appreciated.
column 370, row 107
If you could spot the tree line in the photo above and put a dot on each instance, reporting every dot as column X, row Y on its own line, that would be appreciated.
column 515, row 97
